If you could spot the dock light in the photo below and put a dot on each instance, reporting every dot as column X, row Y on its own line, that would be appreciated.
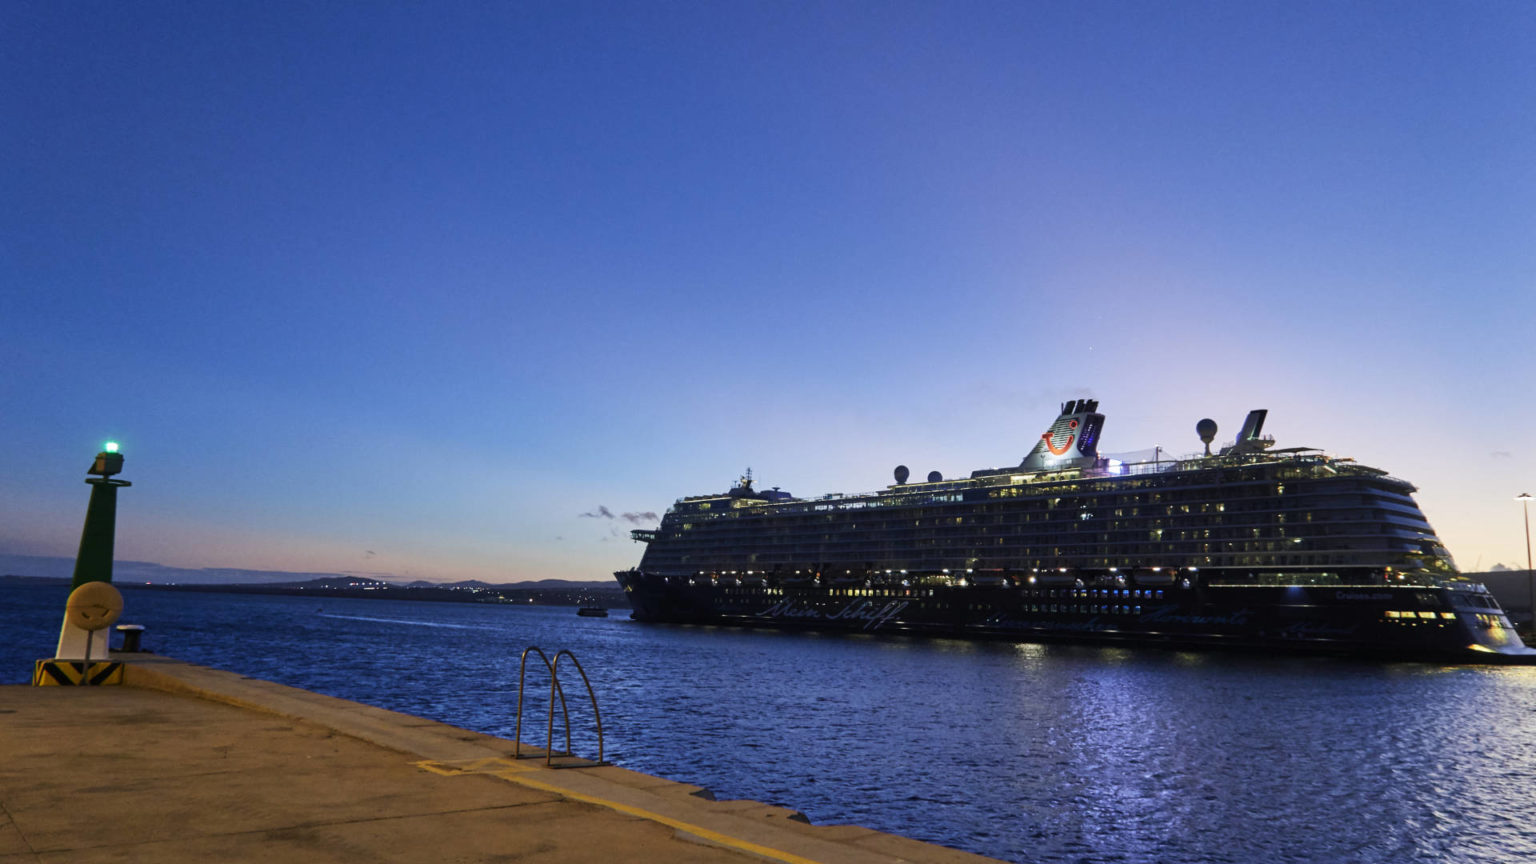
column 110, row 447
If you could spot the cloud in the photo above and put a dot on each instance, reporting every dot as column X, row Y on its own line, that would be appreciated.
column 1501, row 454
column 641, row 518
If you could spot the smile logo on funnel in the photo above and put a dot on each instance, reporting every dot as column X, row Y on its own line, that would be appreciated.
column 1050, row 439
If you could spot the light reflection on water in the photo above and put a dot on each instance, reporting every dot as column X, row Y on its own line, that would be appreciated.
column 1023, row 752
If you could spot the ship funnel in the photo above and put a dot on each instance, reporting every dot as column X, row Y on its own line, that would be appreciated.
column 1253, row 424
column 1072, row 441
column 1248, row 438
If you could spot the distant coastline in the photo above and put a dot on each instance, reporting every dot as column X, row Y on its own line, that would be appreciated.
column 545, row 592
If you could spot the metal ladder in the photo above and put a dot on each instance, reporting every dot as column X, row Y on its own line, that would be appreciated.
column 569, row 760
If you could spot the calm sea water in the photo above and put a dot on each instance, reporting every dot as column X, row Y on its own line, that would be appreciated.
column 1026, row 753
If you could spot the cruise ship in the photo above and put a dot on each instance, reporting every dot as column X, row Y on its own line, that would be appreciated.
column 1250, row 547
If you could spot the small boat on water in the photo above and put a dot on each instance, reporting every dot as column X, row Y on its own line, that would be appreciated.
column 592, row 612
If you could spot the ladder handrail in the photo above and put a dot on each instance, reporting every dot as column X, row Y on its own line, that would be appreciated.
column 554, row 688
column 597, row 715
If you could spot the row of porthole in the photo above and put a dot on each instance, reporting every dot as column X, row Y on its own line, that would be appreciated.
column 1080, row 610
column 1136, row 593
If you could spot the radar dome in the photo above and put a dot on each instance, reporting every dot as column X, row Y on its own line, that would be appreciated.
column 902, row 474
column 1206, row 429
column 934, row 476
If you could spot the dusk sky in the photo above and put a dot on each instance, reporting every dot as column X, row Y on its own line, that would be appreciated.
column 408, row 288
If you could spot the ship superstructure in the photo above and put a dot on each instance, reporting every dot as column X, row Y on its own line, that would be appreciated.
column 1273, row 546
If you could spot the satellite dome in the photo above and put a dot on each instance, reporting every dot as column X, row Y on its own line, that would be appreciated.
column 934, row 476
column 1206, row 429
column 902, row 474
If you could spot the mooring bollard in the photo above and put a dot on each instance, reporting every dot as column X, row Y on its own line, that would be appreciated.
column 133, row 635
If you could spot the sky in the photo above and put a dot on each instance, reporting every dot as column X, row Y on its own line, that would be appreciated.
column 447, row 290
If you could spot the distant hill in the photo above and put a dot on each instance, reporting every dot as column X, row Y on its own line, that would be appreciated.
column 151, row 573
column 148, row 571
column 547, row 592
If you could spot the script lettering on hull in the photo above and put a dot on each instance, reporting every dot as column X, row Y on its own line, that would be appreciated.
column 858, row 610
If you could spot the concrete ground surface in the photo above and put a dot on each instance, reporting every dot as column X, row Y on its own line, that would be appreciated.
column 185, row 763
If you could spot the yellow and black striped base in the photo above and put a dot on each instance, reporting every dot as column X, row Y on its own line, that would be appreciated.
column 76, row 673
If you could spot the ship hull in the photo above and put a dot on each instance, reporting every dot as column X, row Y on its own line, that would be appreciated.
column 1456, row 624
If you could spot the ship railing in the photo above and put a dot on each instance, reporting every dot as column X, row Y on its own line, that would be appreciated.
column 1164, row 463
column 556, row 692
column 1170, row 463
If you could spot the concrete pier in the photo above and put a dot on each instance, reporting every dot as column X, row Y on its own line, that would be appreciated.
column 186, row 763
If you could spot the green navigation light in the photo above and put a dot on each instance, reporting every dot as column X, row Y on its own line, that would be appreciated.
column 110, row 447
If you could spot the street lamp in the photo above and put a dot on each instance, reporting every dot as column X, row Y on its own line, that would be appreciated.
column 1525, row 502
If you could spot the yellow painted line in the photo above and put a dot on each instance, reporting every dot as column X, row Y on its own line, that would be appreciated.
column 512, row 772
column 696, row 830
column 437, row 768
column 473, row 766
